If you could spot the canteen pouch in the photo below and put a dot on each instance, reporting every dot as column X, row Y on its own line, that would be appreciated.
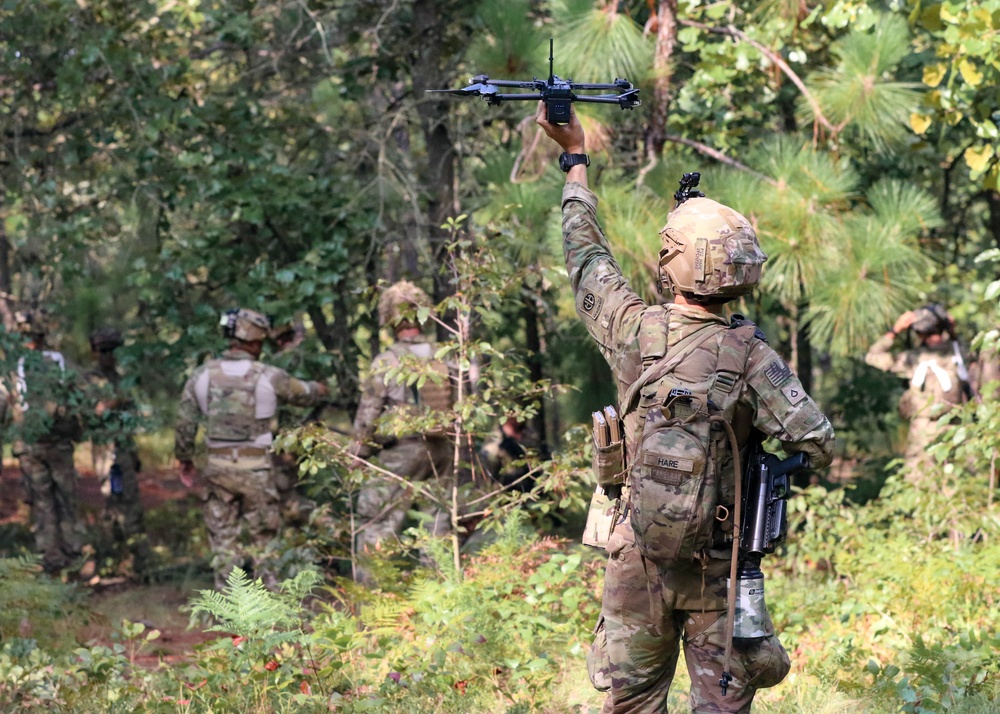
column 673, row 488
column 600, row 520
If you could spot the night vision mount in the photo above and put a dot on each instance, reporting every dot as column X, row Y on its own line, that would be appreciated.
column 557, row 93
column 688, row 189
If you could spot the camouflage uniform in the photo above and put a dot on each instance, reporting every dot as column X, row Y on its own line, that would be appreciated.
column 238, row 397
column 383, row 503
column 935, row 388
column 46, row 462
column 649, row 612
column 117, row 460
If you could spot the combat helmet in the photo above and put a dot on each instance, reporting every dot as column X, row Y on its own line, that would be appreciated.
column 708, row 250
column 397, row 298
column 105, row 339
column 930, row 319
column 245, row 325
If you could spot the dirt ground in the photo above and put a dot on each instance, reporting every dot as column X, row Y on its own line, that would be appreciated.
column 160, row 605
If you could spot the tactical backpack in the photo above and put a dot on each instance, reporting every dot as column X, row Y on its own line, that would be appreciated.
column 682, row 466
column 232, row 404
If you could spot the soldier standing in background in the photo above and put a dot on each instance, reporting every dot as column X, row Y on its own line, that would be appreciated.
column 416, row 457
column 41, row 403
column 935, row 370
column 504, row 456
column 238, row 397
column 116, row 457
column 710, row 255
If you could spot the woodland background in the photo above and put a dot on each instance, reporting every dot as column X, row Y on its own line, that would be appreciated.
column 162, row 161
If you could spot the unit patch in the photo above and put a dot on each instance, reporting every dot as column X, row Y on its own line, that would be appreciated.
column 778, row 372
column 794, row 393
column 591, row 305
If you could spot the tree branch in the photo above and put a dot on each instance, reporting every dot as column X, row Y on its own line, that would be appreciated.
column 718, row 156
column 731, row 31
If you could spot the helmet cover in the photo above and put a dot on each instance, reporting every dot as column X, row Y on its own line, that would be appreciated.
column 709, row 250
column 397, row 298
column 245, row 325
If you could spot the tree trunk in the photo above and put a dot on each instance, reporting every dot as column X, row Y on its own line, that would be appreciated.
column 804, row 368
column 993, row 201
column 666, row 37
column 533, row 342
column 437, row 173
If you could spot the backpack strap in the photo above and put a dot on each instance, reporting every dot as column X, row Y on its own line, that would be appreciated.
column 665, row 365
column 733, row 355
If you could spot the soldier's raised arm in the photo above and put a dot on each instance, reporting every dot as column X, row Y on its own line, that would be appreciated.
column 608, row 306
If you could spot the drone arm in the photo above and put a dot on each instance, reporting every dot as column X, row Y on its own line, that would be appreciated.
column 610, row 86
column 533, row 84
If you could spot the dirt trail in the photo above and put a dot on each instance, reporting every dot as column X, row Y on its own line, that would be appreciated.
column 157, row 605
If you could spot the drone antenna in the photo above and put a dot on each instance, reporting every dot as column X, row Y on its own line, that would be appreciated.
column 551, row 72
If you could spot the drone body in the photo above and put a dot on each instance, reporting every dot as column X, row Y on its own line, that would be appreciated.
column 557, row 93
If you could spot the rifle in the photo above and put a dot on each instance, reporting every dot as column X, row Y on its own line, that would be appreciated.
column 763, row 528
column 765, row 494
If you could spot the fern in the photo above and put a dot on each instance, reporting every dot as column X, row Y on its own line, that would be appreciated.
column 246, row 608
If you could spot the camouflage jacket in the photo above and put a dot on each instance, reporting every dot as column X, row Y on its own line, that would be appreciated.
column 933, row 373
column 771, row 398
column 273, row 387
column 44, row 399
column 380, row 394
column 120, row 418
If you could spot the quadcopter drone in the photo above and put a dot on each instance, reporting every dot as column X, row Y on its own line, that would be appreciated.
column 557, row 93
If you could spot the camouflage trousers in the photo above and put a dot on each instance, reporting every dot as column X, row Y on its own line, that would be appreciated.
column 383, row 503
column 124, row 509
column 51, row 480
column 242, row 509
column 917, row 461
column 648, row 614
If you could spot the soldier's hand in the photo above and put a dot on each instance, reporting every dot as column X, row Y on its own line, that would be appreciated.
column 187, row 473
column 570, row 136
column 903, row 321
column 324, row 391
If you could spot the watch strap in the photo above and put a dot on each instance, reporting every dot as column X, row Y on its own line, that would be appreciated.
column 568, row 161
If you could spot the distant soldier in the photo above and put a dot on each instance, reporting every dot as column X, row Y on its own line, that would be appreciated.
column 417, row 457
column 116, row 457
column 48, row 426
column 238, row 398
column 505, row 455
column 935, row 369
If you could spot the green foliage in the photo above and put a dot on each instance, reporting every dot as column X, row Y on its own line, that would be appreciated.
column 33, row 605
column 902, row 580
column 494, row 638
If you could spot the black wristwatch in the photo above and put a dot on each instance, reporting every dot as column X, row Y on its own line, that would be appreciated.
column 568, row 161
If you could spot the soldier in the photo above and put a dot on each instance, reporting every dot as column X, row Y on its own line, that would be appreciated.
column 935, row 369
column 416, row 457
column 48, row 428
column 238, row 397
column 505, row 455
column 710, row 255
column 116, row 457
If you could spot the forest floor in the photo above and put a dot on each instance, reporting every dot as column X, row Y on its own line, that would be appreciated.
column 160, row 604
